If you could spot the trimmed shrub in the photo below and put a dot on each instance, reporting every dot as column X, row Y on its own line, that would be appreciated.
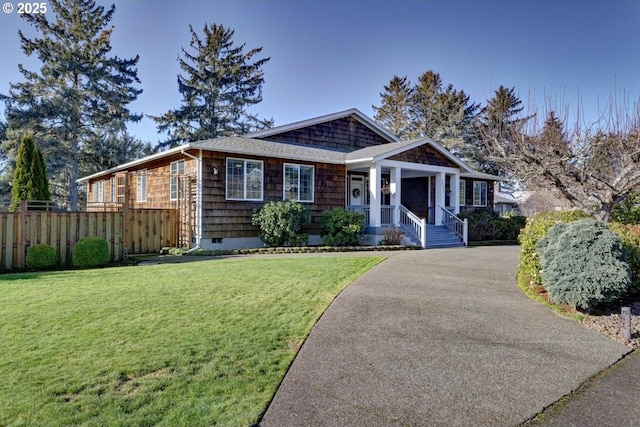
column 91, row 251
column 630, row 236
column 583, row 264
column 41, row 257
column 280, row 223
column 628, row 212
column 342, row 227
column 488, row 225
column 535, row 229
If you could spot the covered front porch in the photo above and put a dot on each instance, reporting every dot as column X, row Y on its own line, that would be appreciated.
column 406, row 195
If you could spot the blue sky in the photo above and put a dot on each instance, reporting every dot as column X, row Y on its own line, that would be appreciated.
column 328, row 56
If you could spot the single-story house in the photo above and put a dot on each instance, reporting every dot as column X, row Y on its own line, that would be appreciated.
column 342, row 160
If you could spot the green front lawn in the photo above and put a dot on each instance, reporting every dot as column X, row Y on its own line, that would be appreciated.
column 195, row 344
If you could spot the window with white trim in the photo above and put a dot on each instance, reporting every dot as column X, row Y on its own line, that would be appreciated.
column 98, row 192
column 462, row 192
column 176, row 169
column 479, row 193
column 244, row 179
column 141, row 186
column 298, row 183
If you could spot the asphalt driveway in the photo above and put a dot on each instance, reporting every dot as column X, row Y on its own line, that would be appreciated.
column 437, row 338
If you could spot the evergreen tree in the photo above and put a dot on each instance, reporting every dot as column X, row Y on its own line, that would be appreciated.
column 30, row 176
column 78, row 91
column 500, row 123
column 395, row 110
column 219, row 82
column 108, row 150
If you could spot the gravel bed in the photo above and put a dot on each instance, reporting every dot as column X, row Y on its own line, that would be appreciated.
column 609, row 324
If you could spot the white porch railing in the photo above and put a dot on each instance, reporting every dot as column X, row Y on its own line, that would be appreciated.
column 386, row 213
column 456, row 225
column 414, row 223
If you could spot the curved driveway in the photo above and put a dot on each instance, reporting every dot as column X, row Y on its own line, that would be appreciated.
column 437, row 338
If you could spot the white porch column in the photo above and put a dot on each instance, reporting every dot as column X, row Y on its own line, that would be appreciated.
column 454, row 197
column 374, row 195
column 440, row 181
column 395, row 185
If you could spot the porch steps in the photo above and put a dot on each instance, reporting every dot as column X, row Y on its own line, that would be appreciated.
column 438, row 236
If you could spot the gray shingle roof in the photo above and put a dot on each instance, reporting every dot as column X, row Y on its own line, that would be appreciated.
column 260, row 147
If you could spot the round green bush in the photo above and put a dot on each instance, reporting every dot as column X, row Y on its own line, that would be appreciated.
column 630, row 236
column 583, row 264
column 342, row 227
column 535, row 229
column 280, row 223
column 91, row 252
column 41, row 257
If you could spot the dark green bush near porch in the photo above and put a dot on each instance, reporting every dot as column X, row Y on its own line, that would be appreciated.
column 583, row 264
column 341, row 227
column 488, row 225
column 280, row 223
column 535, row 229
column 630, row 236
column 41, row 257
column 90, row 252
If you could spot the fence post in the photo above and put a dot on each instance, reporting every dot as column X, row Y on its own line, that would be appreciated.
column 22, row 242
column 126, row 216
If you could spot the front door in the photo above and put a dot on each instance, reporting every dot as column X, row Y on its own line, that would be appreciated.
column 357, row 191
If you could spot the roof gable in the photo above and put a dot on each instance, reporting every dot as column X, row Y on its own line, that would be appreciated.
column 345, row 131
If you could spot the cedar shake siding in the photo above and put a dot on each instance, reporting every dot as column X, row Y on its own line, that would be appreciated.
column 425, row 155
column 224, row 218
column 158, row 183
column 468, row 185
column 345, row 134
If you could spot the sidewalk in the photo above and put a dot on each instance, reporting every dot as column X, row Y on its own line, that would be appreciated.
column 437, row 338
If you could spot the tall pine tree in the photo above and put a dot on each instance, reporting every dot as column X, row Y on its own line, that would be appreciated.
column 395, row 110
column 79, row 91
column 218, row 84
column 30, row 176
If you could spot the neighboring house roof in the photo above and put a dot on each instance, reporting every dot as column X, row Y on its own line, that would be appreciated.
column 354, row 112
column 504, row 198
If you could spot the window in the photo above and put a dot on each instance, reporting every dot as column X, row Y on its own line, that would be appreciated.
column 141, row 186
column 462, row 192
column 244, row 179
column 98, row 192
column 112, row 189
column 479, row 193
column 175, row 169
column 298, row 183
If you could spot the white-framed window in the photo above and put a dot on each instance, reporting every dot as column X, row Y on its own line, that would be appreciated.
column 175, row 169
column 298, row 183
column 112, row 189
column 98, row 192
column 479, row 193
column 462, row 193
column 244, row 179
column 141, row 186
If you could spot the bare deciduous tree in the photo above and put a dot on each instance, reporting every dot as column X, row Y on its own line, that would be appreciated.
column 593, row 168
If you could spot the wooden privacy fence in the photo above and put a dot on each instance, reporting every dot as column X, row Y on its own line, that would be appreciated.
column 133, row 231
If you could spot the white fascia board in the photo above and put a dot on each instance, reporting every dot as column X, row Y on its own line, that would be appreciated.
column 323, row 119
column 482, row 175
column 418, row 167
column 141, row 160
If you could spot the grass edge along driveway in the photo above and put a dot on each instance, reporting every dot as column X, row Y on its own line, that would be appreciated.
column 203, row 343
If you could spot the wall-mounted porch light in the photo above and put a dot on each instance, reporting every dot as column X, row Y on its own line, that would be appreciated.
column 214, row 170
